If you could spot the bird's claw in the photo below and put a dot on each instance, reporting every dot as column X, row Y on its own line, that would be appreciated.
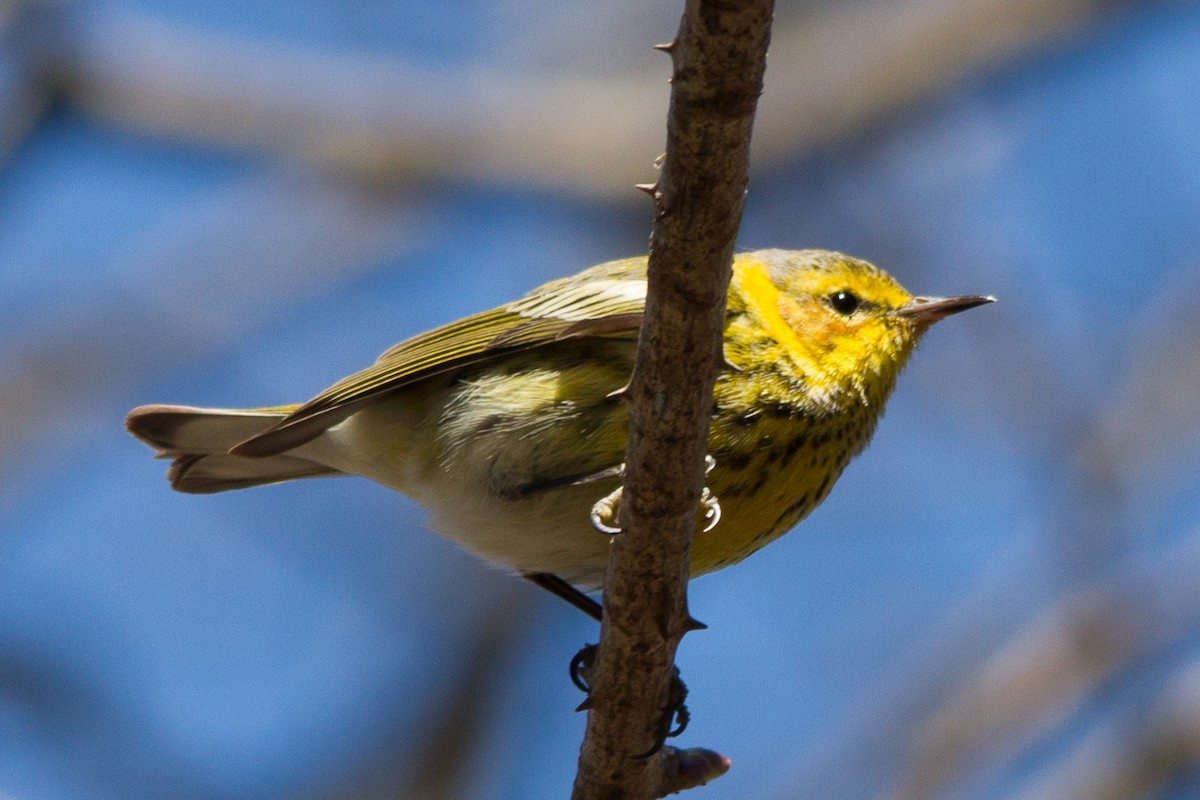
column 675, row 716
column 708, row 500
column 604, row 511
column 581, row 666
column 712, row 510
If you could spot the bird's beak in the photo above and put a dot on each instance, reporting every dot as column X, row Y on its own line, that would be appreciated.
column 927, row 310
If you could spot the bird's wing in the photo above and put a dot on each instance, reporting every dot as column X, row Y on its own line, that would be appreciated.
column 603, row 301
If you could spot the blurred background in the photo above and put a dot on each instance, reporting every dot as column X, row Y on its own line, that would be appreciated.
column 238, row 202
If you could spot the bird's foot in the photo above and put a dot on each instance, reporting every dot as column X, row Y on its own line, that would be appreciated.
column 708, row 500
column 604, row 514
column 675, row 716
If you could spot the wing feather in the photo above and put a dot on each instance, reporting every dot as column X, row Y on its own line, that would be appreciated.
column 603, row 301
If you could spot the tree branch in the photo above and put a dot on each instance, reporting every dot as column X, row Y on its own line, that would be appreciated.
column 719, row 57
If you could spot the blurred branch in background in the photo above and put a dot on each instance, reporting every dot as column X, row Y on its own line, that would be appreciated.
column 1148, row 423
column 1134, row 761
column 28, row 49
column 1062, row 660
column 458, row 718
column 384, row 119
column 224, row 265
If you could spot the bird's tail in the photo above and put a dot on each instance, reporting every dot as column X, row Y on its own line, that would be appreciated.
column 198, row 440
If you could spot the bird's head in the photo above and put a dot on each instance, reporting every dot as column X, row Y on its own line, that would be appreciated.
column 845, row 327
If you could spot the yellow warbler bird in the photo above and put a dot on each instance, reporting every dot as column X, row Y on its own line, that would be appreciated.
column 505, row 426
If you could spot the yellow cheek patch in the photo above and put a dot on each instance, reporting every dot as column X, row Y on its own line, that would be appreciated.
column 760, row 294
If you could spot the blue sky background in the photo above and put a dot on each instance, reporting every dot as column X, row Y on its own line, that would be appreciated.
column 1034, row 483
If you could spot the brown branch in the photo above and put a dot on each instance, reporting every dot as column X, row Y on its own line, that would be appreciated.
column 719, row 58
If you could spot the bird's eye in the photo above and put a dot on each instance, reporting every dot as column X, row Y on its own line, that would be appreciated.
column 844, row 302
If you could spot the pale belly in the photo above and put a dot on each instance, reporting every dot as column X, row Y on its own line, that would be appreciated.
column 401, row 445
column 762, row 493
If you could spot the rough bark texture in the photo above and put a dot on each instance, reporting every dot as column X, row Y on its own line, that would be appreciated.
column 719, row 58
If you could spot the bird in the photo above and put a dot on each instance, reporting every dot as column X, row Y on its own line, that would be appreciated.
column 508, row 425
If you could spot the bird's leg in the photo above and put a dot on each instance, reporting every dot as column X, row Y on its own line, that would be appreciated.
column 565, row 591
column 675, row 714
column 604, row 512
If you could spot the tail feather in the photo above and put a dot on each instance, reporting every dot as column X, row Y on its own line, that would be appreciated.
column 198, row 440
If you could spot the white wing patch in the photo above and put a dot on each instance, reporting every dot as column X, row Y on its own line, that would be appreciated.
column 584, row 300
